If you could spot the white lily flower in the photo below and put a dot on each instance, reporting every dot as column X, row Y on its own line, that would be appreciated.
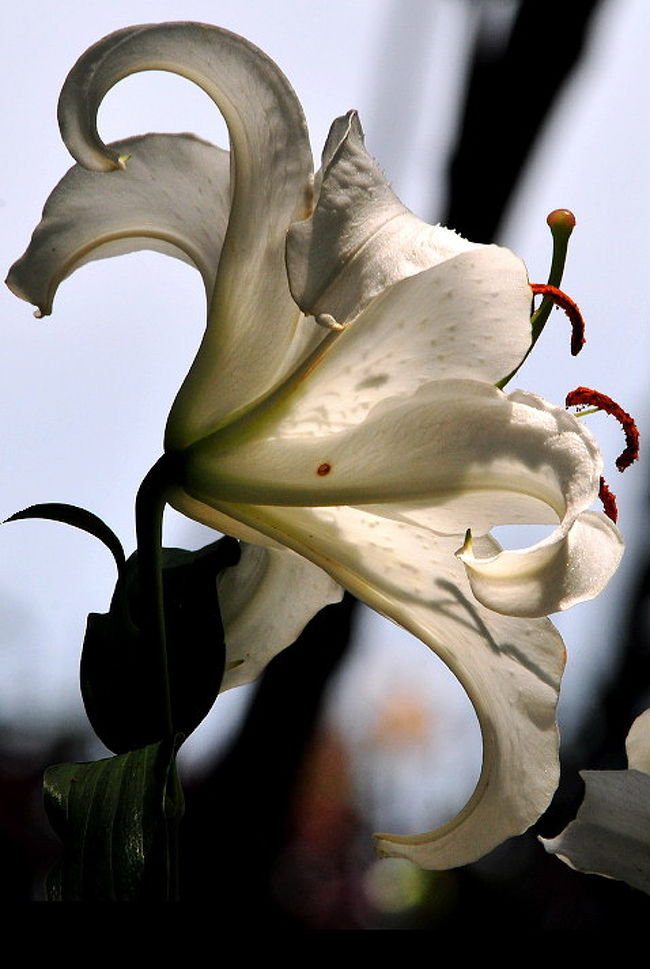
column 368, row 445
column 611, row 833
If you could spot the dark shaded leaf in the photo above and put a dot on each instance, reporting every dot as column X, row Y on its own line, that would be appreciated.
column 118, row 666
column 117, row 820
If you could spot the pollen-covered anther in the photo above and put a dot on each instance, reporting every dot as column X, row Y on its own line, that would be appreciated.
column 608, row 499
column 571, row 309
column 593, row 398
column 323, row 469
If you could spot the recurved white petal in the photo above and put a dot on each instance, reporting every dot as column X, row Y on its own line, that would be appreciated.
column 572, row 565
column 266, row 601
column 360, row 239
column 576, row 561
column 252, row 317
column 510, row 668
column 172, row 197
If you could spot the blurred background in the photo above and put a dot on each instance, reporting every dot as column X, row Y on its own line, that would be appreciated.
column 485, row 114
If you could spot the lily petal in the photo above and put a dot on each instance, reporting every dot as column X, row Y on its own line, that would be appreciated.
column 637, row 745
column 173, row 197
column 467, row 317
column 360, row 239
column 458, row 439
column 510, row 668
column 266, row 601
column 611, row 833
column 449, row 438
column 271, row 187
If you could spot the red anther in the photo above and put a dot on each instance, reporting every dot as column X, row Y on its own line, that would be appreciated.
column 570, row 308
column 593, row 398
column 608, row 499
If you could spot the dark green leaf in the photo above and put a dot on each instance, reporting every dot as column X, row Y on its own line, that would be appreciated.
column 117, row 820
column 117, row 679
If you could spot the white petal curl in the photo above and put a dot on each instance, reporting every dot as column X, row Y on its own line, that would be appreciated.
column 271, row 187
column 570, row 566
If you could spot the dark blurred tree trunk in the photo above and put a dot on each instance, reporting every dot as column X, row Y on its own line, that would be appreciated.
column 513, row 85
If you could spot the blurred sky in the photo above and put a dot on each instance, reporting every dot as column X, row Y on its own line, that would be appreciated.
column 86, row 392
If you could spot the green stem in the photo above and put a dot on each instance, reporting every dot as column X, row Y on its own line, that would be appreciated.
column 149, row 509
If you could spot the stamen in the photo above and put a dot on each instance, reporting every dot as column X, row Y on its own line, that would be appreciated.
column 466, row 547
column 584, row 395
column 328, row 321
column 571, row 309
column 608, row 499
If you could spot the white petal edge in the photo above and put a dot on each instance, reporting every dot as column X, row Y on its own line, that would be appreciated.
column 266, row 601
column 173, row 196
column 510, row 668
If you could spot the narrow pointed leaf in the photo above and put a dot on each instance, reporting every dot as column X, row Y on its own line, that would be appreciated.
column 78, row 518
